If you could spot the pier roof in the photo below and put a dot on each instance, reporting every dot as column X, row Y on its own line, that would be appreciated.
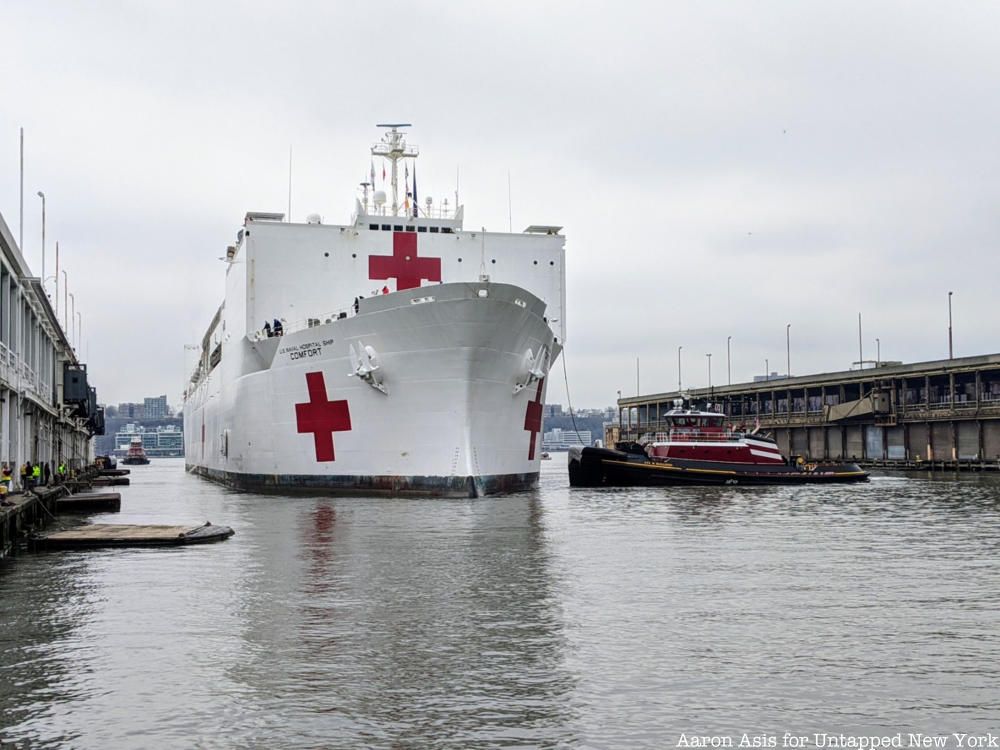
column 817, row 380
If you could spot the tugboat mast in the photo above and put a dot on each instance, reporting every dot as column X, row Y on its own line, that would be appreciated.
column 393, row 147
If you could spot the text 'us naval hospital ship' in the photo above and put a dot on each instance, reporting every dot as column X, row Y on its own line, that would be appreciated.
column 434, row 385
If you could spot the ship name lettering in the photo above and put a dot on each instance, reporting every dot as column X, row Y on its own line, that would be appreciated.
column 313, row 351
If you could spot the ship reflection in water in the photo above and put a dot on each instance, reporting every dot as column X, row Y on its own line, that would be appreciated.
column 411, row 620
column 558, row 618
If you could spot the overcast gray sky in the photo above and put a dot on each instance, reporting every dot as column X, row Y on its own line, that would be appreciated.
column 721, row 169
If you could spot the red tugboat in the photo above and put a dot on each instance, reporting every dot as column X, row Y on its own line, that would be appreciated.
column 698, row 448
column 136, row 456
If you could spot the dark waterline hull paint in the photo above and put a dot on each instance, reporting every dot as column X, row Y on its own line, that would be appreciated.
column 428, row 486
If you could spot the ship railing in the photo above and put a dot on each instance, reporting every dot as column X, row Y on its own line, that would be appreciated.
column 647, row 432
column 371, row 211
column 310, row 322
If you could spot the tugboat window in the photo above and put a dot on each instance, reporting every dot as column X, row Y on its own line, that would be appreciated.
column 373, row 226
column 435, row 230
column 421, row 229
column 386, row 227
column 397, row 228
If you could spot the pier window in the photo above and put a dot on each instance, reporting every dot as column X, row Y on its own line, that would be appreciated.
column 991, row 386
column 965, row 388
column 937, row 393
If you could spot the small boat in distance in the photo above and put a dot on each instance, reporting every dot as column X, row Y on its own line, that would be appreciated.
column 698, row 448
column 136, row 455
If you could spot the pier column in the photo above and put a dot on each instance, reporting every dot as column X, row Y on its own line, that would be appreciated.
column 980, row 447
column 5, row 427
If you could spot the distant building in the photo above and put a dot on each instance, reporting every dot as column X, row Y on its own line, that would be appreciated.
column 163, row 441
column 129, row 410
column 560, row 440
column 552, row 410
column 765, row 378
column 155, row 407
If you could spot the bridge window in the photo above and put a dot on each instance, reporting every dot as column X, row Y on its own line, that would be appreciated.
column 397, row 228
column 386, row 227
column 411, row 229
column 373, row 226
column 446, row 230
column 435, row 230
column 421, row 229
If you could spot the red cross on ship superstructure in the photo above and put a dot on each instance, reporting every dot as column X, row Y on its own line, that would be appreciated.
column 322, row 417
column 533, row 419
column 404, row 265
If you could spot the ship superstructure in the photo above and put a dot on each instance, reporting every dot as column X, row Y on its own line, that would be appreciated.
column 398, row 353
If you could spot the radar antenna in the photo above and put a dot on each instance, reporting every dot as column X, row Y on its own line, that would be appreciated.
column 393, row 147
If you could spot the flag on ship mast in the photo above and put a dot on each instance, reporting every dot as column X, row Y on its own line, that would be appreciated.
column 416, row 203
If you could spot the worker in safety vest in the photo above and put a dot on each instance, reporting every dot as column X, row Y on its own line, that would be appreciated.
column 61, row 471
column 36, row 475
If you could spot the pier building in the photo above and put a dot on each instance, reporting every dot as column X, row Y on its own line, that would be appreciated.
column 44, row 418
column 943, row 412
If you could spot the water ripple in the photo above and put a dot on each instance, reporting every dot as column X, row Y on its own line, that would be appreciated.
column 590, row 618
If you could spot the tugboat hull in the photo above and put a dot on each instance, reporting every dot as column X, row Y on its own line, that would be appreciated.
column 602, row 467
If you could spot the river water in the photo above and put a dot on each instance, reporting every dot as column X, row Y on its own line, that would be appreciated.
column 557, row 618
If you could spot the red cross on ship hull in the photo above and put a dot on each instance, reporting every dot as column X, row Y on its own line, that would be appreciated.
column 533, row 419
column 404, row 265
column 322, row 417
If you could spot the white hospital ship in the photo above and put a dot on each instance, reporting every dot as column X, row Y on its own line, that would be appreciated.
column 413, row 354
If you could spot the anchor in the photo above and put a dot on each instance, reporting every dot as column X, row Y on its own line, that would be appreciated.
column 367, row 365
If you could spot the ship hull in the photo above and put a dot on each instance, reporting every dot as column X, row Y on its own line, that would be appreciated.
column 291, row 415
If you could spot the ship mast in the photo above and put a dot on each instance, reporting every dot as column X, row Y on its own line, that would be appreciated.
column 393, row 147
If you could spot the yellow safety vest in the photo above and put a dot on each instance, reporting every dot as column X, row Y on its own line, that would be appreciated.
column 36, row 471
